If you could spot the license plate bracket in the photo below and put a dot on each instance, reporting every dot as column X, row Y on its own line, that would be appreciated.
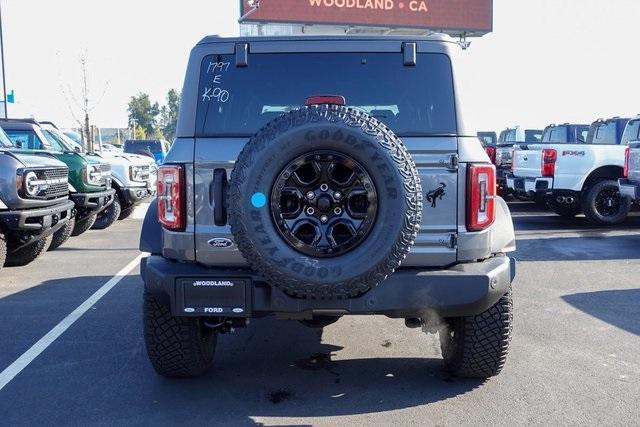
column 213, row 296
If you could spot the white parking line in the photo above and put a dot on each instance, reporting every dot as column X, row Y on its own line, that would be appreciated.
column 28, row 356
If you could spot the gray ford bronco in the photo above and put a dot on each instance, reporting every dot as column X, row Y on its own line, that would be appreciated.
column 34, row 202
column 318, row 177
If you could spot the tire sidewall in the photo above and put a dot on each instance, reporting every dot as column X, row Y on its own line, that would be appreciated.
column 589, row 206
column 263, row 240
column 108, row 216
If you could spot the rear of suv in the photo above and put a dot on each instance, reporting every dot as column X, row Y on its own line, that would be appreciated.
column 301, row 193
column 89, row 178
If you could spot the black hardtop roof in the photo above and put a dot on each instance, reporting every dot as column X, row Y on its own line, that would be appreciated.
column 19, row 123
column 436, row 37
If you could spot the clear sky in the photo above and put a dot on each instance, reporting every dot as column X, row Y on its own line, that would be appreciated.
column 547, row 60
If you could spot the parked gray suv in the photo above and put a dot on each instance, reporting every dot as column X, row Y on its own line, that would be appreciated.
column 318, row 177
column 34, row 203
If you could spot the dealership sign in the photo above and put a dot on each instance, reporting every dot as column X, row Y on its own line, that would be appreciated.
column 474, row 17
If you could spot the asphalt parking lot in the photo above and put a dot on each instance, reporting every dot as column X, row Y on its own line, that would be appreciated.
column 574, row 356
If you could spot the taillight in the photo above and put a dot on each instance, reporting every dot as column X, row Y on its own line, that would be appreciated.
column 491, row 152
column 549, row 157
column 481, row 190
column 171, row 200
column 627, row 154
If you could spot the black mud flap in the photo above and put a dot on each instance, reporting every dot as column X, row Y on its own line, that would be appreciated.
column 214, row 296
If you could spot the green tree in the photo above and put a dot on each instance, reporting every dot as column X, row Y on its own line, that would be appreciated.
column 169, row 115
column 144, row 113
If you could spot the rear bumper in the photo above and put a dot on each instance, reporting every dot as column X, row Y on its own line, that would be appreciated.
column 629, row 188
column 93, row 201
column 529, row 185
column 39, row 220
column 462, row 290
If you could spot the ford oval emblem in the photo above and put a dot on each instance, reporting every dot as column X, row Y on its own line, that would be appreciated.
column 220, row 243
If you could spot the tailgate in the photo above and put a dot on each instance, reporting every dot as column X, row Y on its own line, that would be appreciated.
column 435, row 245
column 503, row 155
column 527, row 161
column 634, row 161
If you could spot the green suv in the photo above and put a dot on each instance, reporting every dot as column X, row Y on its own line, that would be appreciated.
column 89, row 178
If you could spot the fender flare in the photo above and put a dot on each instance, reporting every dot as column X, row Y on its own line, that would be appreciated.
column 115, row 180
column 151, row 235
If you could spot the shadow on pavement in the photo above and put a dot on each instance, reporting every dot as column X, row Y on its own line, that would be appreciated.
column 620, row 308
column 97, row 372
column 584, row 248
column 530, row 217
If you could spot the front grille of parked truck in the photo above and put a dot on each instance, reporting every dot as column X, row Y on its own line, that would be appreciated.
column 46, row 184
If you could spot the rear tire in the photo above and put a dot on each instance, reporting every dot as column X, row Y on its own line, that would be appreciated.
column 27, row 254
column 83, row 225
column 565, row 210
column 178, row 347
column 477, row 346
column 62, row 235
column 595, row 204
column 108, row 216
column 540, row 200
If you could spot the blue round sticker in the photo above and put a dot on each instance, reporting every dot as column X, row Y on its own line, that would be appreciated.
column 258, row 200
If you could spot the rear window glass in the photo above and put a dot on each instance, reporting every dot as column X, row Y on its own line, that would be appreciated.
column 487, row 138
column 532, row 135
column 415, row 100
column 631, row 132
column 555, row 134
column 26, row 139
column 512, row 136
column 602, row 133
column 136, row 146
column 503, row 136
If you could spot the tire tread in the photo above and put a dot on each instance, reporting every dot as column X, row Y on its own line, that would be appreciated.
column 480, row 343
column 174, row 345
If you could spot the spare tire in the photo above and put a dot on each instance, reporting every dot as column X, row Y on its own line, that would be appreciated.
column 325, row 202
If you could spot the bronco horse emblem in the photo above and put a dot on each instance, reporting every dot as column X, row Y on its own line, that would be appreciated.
column 437, row 194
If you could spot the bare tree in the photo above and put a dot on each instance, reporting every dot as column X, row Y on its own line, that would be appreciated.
column 85, row 104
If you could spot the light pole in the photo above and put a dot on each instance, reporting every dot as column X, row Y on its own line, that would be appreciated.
column 4, row 79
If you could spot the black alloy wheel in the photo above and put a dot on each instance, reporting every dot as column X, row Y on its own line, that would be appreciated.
column 324, row 203
column 608, row 202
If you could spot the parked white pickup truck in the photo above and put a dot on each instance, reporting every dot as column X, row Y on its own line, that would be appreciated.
column 575, row 177
column 504, row 149
column 630, row 183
